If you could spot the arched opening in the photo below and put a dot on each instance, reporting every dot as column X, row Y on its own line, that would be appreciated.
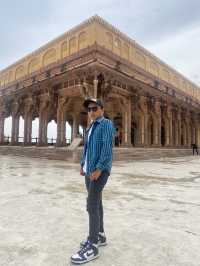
column 68, row 133
column 35, row 130
column 7, row 129
column 51, row 133
column 117, row 121
column 80, row 131
column 21, row 130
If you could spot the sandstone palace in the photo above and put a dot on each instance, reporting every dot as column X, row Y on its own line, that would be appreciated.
column 150, row 103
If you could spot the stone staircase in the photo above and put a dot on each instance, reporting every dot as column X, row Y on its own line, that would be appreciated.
column 129, row 154
column 49, row 152
column 66, row 154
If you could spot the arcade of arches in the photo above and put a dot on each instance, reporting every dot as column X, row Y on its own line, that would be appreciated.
column 142, row 119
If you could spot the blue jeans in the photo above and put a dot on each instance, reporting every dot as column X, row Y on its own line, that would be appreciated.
column 95, row 206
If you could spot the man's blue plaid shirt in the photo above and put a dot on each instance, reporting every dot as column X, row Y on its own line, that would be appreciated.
column 100, row 145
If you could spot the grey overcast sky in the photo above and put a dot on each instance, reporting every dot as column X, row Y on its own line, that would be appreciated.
column 168, row 28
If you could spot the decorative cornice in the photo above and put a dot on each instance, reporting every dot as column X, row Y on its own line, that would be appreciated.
column 108, row 26
column 54, row 41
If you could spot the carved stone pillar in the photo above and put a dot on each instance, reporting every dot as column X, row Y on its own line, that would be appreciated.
column 28, row 115
column 157, row 126
column 75, row 126
column 2, row 120
column 126, row 124
column 196, row 131
column 15, row 123
column 178, row 128
column 184, row 132
column 188, row 129
column 61, row 123
column 169, row 137
column 61, row 127
column 198, row 134
column 43, row 119
column 194, row 126
column 28, row 128
column 143, row 122
column 95, row 82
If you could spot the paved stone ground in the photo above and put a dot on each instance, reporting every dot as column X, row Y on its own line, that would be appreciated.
column 152, row 213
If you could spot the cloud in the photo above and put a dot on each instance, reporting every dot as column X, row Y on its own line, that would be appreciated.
column 181, row 52
column 163, row 26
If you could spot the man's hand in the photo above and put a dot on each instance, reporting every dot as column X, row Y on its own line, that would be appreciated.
column 95, row 175
column 81, row 171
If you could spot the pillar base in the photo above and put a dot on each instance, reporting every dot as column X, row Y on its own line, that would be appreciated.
column 60, row 144
column 41, row 144
column 126, row 145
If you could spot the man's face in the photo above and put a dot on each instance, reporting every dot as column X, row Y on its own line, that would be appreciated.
column 94, row 111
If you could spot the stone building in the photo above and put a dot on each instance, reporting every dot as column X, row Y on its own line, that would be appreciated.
column 151, row 104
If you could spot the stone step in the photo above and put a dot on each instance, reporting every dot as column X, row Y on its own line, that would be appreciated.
column 119, row 154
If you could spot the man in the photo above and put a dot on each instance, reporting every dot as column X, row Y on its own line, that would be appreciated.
column 96, row 165
column 194, row 148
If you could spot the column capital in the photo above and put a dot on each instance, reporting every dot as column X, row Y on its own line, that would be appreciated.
column 62, row 102
column 143, row 103
column 15, row 107
column 45, row 100
column 28, row 104
column 157, row 106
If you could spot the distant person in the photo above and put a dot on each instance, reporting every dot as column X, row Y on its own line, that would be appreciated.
column 117, row 138
column 96, row 166
column 194, row 148
column 120, row 138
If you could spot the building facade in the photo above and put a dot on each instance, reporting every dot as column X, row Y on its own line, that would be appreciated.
column 151, row 104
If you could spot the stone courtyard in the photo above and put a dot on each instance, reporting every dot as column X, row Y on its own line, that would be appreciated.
column 152, row 212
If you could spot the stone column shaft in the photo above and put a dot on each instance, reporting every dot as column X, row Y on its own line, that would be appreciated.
column 43, row 123
column 95, row 87
column 169, row 135
column 61, row 127
column 126, row 121
column 157, row 131
column 2, row 120
column 179, row 131
column 184, row 135
column 28, row 128
column 143, row 122
column 15, row 129
column 75, row 126
column 179, row 128
column 157, row 125
column 188, row 133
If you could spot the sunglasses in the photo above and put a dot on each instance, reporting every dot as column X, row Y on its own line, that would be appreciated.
column 92, row 109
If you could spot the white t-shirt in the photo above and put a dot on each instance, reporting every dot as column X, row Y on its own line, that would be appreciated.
column 85, row 163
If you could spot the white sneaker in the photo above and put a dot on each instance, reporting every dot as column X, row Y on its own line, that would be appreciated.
column 85, row 254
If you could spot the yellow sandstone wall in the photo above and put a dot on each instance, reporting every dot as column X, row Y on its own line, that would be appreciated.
column 62, row 47
column 128, row 49
column 87, row 33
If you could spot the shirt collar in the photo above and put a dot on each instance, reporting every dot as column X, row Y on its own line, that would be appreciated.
column 99, row 120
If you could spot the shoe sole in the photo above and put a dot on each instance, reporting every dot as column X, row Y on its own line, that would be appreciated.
column 103, row 244
column 79, row 263
column 99, row 245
